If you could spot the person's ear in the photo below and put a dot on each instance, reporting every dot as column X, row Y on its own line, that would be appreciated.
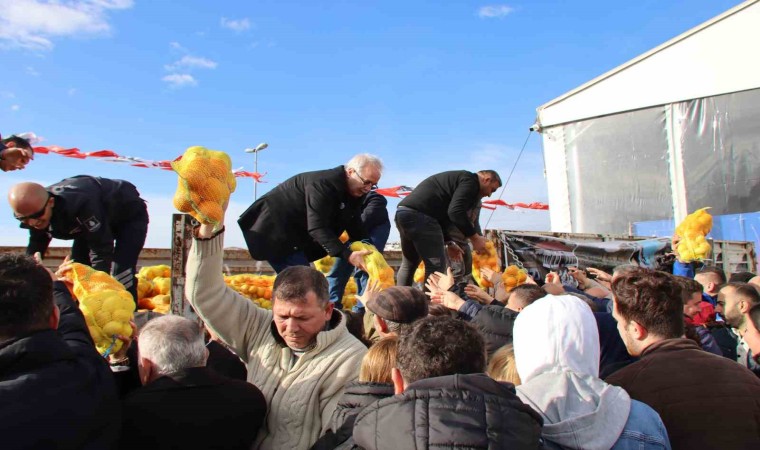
column 639, row 331
column 329, row 309
column 145, row 370
column 398, row 381
column 380, row 324
column 55, row 318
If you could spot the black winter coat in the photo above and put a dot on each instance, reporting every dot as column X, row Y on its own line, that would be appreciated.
column 455, row 411
column 193, row 409
column 495, row 323
column 307, row 213
column 356, row 397
column 56, row 391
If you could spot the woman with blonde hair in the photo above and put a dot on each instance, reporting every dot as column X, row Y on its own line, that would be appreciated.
column 374, row 384
column 501, row 366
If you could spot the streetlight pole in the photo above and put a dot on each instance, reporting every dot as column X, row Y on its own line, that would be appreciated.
column 255, row 152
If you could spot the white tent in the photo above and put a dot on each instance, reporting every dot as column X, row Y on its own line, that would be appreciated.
column 675, row 129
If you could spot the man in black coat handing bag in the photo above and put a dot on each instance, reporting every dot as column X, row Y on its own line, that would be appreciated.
column 301, row 219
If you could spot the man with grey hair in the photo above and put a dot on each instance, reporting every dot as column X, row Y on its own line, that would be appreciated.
column 184, row 404
column 302, row 218
column 300, row 354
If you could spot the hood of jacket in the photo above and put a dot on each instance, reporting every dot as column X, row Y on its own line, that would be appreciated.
column 556, row 344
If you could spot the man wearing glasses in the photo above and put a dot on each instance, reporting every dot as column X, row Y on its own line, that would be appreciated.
column 301, row 219
column 107, row 220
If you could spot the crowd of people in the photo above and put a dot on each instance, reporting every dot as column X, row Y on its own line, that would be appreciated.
column 637, row 358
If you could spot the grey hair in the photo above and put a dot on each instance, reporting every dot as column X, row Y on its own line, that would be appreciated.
column 172, row 343
column 362, row 160
column 397, row 327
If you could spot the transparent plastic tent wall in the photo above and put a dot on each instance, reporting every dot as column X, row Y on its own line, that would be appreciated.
column 640, row 171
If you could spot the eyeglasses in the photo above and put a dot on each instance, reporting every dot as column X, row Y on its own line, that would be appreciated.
column 36, row 215
column 366, row 183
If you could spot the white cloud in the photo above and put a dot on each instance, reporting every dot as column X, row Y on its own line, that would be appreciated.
column 179, row 80
column 72, row 92
column 15, row 107
column 238, row 25
column 32, row 71
column 34, row 24
column 177, row 46
column 192, row 62
column 494, row 11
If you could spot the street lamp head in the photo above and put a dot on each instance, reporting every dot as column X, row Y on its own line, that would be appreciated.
column 258, row 148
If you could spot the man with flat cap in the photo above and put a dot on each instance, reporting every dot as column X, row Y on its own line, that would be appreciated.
column 395, row 309
column 106, row 219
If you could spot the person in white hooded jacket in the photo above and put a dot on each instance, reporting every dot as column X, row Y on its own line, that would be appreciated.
column 556, row 345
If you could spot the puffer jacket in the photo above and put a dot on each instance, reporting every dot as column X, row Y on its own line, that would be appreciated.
column 495, row 323
column 454, row 411
column 356, row 397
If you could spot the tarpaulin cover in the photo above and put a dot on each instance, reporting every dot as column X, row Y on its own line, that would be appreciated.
column 541, row 254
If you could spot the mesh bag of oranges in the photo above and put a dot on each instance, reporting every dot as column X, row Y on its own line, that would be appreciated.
column 488, row 259
column 107, row 307
column 257, row 288
column 154, row 288
column 513, row 276
column 204, row 185
column 419, row 273
column 692, row 231
column 377, row 268
column 325, row 264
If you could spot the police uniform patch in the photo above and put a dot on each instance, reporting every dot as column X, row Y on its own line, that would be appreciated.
column 92, row 224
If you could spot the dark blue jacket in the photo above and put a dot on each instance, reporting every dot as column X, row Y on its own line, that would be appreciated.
column 56, row 391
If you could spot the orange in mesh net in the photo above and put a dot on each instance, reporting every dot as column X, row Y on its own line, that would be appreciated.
column 204, row 185
column 107, row 307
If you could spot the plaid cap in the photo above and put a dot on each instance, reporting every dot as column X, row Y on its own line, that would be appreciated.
column 402, row 304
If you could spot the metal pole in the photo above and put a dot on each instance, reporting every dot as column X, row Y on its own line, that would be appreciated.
column 256, row 170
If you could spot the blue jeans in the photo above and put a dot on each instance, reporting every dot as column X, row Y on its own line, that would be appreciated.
column 342, row 270
column 293, row 259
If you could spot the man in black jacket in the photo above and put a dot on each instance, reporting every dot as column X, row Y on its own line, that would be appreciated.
column 443, row 399
column 183, row 403
column 424, row 217
column 302, row 218
column 55, row 390
column 107, row 220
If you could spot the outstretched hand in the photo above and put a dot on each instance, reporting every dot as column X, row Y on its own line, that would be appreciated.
column 447, row 299
column 478, row 294
column 438, row 281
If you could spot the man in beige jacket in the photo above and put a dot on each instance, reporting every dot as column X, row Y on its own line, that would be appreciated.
column 300, row 354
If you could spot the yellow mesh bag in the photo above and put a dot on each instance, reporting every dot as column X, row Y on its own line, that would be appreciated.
column 325, row 264
column 512, row 277
column 107, row 307
column 692, row 231
column 489, row 259
column 419, row 273
column 377, row 268
column 204, row 185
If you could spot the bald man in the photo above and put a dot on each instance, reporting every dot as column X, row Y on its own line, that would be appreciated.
column 106, row 219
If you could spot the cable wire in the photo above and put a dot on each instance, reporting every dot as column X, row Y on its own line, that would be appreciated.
column 504, row 188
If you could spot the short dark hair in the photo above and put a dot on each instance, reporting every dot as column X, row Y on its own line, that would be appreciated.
column 491, row 173
column 653, row 299
column 26, row 295
column 712, row 270
column 295, row 282
column 688, row 286
column 528, row 293
column 741, row 277
column 438, row 310
column 19, row 141
column 746, row 291
column 438, row 346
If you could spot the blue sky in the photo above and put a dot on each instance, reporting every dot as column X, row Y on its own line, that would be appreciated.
column 428, row 86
